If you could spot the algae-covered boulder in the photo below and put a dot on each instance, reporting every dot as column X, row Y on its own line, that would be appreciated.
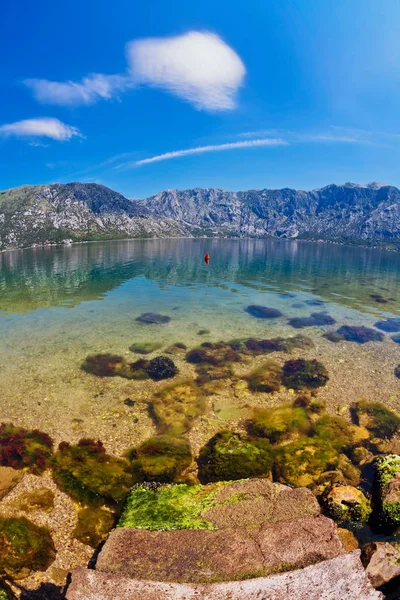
column 161, row 367
column 387, row 469
column 229, row 456
column 302, row 374
column 346, row 503
column 145, row 347
column 302, row 463
column 88, row 474
column 336, row 431
column 24, row 448
column 263, row 312
column 266, row 378
column 36, row 499
column 93, row 525
column 378, row 419
column 24, row 547
column 162, row 458
column 279, row 423
column 176, row 406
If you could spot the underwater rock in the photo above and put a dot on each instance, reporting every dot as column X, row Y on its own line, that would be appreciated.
column 93, row 525
column 24, row 448
column 263, row 312
column 103, row 365
column 266, row 378
column 161, row 367
column 397, row 371
column 206, row 332
column 348, row 539
column 176, row 349
column 378, row 419
column 9, row 478
column 396, row 339
column 378, row 298
column 136, row 370
column 279, row 423
column 162, row 459
column 360, row 335
column 24, row 547
column 390, row 325
column 302, row 463
column 37, row 499
column 300, row 373
column 381, row 562
column 218, row 354
column 176, row 406
column 314, row 302
column 346, row 503
column 89, row 475
column 145, row 347
column 230, row 456
column 152, row 319
column 387, row 473
column 314, row 320
column 338, row 432
column 333, row 336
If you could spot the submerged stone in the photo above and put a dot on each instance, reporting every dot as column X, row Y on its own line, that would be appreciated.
column 378, row 419
column 266, row 378
column 279, row 423
column 230, row 456
column 175, row 407
column 161, row 367
column 346, row 503
column 300, row 373
column 381, row 561
column 396, row 339
column 153, row 319
column 387, row 471
column 93, row 525
column 390, row 325
column 103, row 365
column 314, row 302
column 263, row 312
column 360, row 335
column 314, row 320
column 145, row 347
column 161, row 459
column 24, row 547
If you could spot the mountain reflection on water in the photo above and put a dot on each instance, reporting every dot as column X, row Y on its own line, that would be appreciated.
column 66, row 276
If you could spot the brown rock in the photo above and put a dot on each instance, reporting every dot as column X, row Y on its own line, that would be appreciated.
column 381, row 561
column 341, row 578
column 348, row 539
column 224, row 554
column 261, row 502
column 8, row 480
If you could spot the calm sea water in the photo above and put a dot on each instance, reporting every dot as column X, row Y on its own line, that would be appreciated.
column 57, row 305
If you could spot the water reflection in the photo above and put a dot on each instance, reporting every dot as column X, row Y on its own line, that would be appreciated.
column 49, row 277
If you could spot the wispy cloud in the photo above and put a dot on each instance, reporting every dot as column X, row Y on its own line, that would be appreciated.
column 90, row 90
column 331, row 135
column 45, row 127
column 204, row 149
column 198, row 67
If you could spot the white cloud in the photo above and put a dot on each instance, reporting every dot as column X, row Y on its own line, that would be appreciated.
column 197, row 67
column 45, row 127
column 70, row 93
column 203, row 149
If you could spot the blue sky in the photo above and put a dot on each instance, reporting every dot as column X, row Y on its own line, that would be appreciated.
column 146, row 96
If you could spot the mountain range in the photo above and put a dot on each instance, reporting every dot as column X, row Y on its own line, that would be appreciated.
column 349, row 213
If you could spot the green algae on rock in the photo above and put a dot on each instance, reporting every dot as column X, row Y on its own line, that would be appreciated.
column 24, row 547
column 21, row 448
column 279, row 423
column 176, row 406
column 36, row 499
column 169, row 506
column 89, row 475
column 266, row 378
column 335, row 430
column 387, row 473
column 230, row 456
column 301, row 463
column 346, row 503
column 378, row 419
column 162, row 459
column 300, row 373
column 93, row 525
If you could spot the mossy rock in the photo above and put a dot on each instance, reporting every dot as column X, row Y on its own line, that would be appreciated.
column 93, row 525
column 232, row 456
column 104, row 365
column 37, row 499
column 335, row 430
column 145, row 347
column 162, row 367
column 89, row 475
column 24, row 547
column 378, row 419
column 266, row 378
column 301, row 463
column 176, row 407
column 302, row 374
column 277, row 424
column 215, row 354
column 346, row 503
column 387, row 473
column 169, row 507
column 161, row 459
column 24, row 448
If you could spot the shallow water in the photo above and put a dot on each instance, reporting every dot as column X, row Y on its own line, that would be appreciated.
column 57, row 305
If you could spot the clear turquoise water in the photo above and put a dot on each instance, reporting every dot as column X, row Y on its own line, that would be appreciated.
column 59, row 304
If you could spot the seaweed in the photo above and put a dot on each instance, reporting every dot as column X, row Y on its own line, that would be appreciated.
column 277, row 424
column 263, row 312
column 93, row 525
column 152, row 319
column 266, row 378
column 176, row 406
column 145, row 347
column 161, row 367
column 24, row 448
column 378, row 419
column 162, row 459
column 300, row 373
